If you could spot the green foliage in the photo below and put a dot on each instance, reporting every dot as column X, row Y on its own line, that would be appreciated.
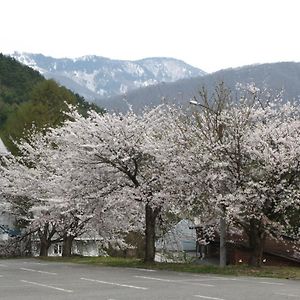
column 84, row 106
column 16, row 80
column 46, row 107
column 241, row 270
column 27, row 99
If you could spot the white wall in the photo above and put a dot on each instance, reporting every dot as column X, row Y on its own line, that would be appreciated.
column 179, row 238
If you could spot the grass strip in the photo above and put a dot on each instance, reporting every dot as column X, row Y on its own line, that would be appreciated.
column 240, row 270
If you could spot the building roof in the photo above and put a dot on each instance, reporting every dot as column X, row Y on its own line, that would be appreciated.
column 3, row 149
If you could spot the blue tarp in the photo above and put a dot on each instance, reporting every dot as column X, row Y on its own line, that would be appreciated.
column 12, row 232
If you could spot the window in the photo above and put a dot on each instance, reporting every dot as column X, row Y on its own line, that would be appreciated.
column 57, row 249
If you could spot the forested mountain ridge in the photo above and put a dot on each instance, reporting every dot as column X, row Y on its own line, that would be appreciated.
column 16, row 83
column 283, row 76
column 27, row 98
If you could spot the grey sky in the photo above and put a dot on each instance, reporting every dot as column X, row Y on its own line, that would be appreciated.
column 209, row 34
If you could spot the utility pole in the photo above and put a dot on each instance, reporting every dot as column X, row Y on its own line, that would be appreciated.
column 222, row 228
column 221, row 98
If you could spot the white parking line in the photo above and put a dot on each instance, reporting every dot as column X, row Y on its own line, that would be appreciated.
column 140, row 269
column 288, row 295
column 206, row 297
column 253, row 280
column 47, row 286
column 274, row 283
column 35, row 263
column 200, row 279
column 37, row 271
column 171, row 280
column 155, row 278
column 116, row 284
column 2, row 265
column 219, row 278
column 213, row 278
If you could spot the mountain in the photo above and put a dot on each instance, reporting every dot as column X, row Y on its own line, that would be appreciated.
column 273, row 76
column 27, row 98
column 96, row 77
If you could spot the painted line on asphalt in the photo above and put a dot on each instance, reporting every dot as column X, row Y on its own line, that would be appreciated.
column 13, row 286
column 47, row 286
column 288, row 295
column 171, row 280
column 141, row 269
column 273, row 283
column 155, row 278
column 114, row 283
column 35, row 263
column 207, row 297
column 225, row 279
column 219, row 278
column 253, row 280
column 37, row 271
column 200, row 279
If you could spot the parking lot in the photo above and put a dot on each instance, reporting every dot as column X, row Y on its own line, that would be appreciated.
column 33, row 279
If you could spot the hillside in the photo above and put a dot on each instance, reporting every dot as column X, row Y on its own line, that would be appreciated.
column 275, row 76
column 96, row 77
column 16, row 83
column 27, row 98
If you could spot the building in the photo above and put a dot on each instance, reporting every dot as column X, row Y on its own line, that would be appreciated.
column 283, row 251
column 6, row 221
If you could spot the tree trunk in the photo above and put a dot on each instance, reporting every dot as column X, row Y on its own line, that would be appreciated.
column 67, row 245
column 151, row 215
column 256, row 242
column 44, row 247
column 223, row 255
column 28, row 246
column 45, row 236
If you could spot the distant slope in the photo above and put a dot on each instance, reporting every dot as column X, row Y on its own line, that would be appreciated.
column 16, row 84
column 96, row 77
column 26, row 97
column 275, row 76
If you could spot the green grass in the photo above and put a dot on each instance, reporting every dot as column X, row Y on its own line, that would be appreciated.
column 242, row 270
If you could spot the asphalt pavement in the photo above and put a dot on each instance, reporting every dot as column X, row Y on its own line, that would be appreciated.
column 31, row 279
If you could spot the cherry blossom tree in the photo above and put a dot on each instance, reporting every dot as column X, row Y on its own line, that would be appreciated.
column 229, row 144
column 122, row 144
column 18, row 183
column 62, row 193
column 270, row 190
column 234, row 160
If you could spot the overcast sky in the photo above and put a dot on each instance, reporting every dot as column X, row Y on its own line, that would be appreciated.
column 208, row 34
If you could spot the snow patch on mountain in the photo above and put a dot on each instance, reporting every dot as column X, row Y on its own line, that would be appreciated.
column 169, row 69
column 104, row 77
column 123, row 88
column 27, row 60
column 133, row 69
column 83, row 78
